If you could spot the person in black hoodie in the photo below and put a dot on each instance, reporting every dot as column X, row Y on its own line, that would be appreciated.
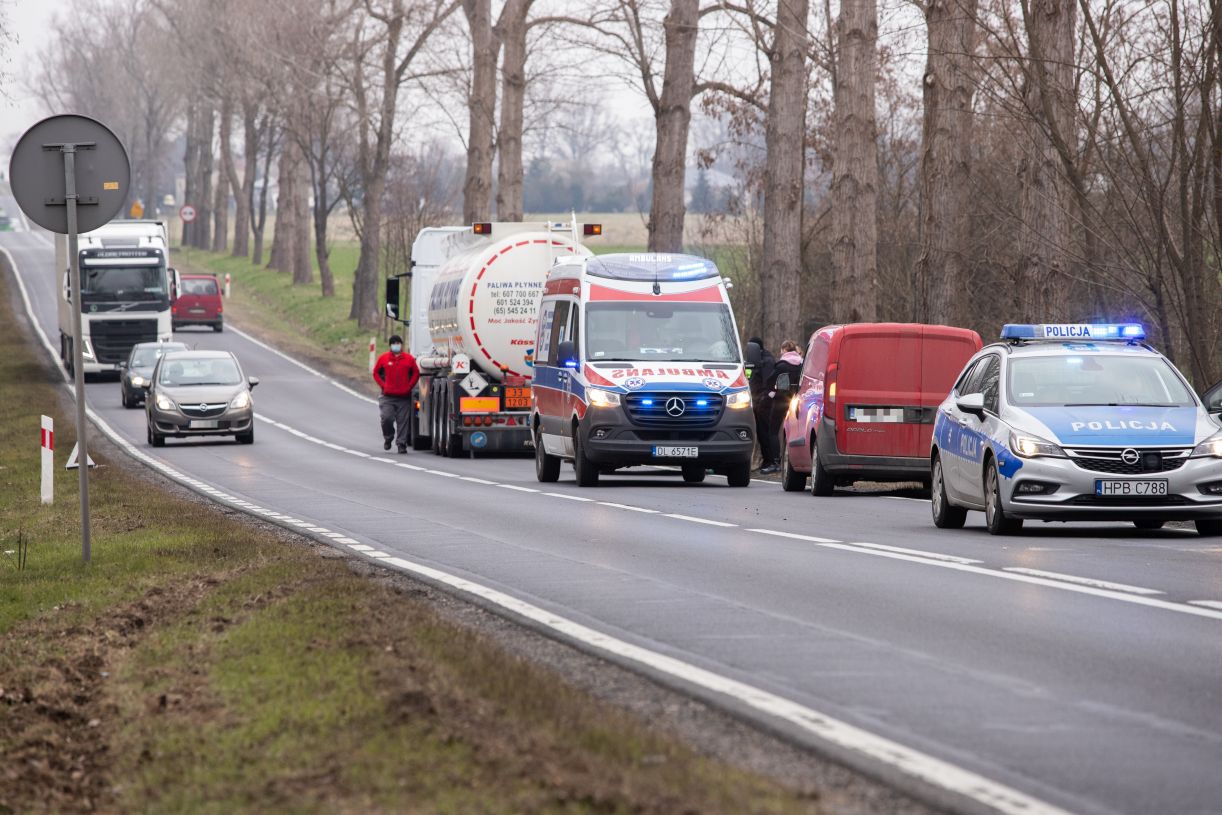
column 778, row 400
column 761, row 404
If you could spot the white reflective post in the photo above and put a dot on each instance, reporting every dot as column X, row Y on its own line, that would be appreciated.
column 48, row 459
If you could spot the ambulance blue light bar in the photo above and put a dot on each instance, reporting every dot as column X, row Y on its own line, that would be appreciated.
column 1124, row 332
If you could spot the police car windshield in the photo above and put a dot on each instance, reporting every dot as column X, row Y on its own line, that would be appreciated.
column 1095, row 379
column 663, row 332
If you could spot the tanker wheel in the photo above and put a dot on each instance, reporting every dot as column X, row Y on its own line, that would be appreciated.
column 435, row 427
column 418, row 441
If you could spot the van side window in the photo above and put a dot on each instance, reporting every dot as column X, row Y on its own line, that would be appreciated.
column 560, row 326
column 990, row 381
column 816, row 359
column 543, row 344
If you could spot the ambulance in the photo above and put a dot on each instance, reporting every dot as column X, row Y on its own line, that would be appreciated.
column 637, row 362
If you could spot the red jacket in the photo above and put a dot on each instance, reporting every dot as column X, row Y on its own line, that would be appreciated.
column 396, row 374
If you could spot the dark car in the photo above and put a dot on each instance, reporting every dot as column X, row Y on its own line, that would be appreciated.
column 200, row 393
column 139, row 367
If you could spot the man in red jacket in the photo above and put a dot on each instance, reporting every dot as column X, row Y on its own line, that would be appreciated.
column 396, row 373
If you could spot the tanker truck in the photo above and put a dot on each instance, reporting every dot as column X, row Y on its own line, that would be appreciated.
column 475, row 293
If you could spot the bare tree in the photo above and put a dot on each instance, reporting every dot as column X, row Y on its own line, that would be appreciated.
column 481, row 111
column 511, row 30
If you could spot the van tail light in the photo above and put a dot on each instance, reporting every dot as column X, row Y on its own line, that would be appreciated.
column 830, row 410
column 219, row 309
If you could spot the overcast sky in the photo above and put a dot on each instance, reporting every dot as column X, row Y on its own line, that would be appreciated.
column 31, row 21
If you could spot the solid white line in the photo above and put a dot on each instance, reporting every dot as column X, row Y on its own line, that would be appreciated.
column 516, row 487
column 29, row 311
column 1207, row 603
column 629, row 507
column 567, row 497
column 475, row 480
column 793, row 535
column 1084, row 581
column 676, row 516
column 918, row 552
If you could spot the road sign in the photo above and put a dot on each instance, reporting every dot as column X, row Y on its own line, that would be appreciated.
column 73, row 463
column 187, row 213
column 473, row 383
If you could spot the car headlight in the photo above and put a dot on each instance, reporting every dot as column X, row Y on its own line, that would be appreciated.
column 739, row 401
column 597, row 397
column 1027, row 446
column 137, row 382
column 242, row 400
column 165, row 403
column 1210, row 448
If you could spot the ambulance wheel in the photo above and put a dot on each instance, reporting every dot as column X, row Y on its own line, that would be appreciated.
column 693, row 473
column 1149, row 525
column 547, row 466
column 821, row 482
column 585, row 470
column 994, row 514
column 945, row 515
column 739, row 475
column 1210, row 528
column 791, row 479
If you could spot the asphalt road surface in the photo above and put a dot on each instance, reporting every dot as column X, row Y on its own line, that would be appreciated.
column 1075, row 668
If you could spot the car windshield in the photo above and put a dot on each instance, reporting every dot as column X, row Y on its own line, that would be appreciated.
column 1092, row 379
column 662, row 332
column 147, row 357
column 197, row 286
column 187, row 372
column 123, row 282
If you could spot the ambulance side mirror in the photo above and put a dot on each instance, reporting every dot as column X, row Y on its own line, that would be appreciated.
column 566, row 352
column 972, row 403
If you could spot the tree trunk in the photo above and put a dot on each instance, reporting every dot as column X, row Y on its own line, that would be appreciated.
column 320, row 247
column 303, row 269
column 481, row 110
column 280, row 257
column 220, row 215
column 784, row 172
column 949, row 83
column 243, row 188
column 258, row 218
column 152, row 137
column 203, row 220
column 854, row 189
column 672, row 118
column 190, row 171
column 1045, row 215
column 365, row 286
column 511, row 31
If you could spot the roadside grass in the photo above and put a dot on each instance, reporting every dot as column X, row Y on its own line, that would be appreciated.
column 201, row 664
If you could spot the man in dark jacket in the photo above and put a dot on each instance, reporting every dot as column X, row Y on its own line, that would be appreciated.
column 396, row 373
column 761, row 404
column 790, row 364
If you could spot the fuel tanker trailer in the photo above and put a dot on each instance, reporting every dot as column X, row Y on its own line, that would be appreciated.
column 475, row 293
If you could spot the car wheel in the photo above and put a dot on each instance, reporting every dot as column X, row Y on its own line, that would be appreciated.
column 248, row 437
column 583, row 468
column 739, row 475
column 994, row 513
column 791, row 479
column 945, row 514
column 547, row 466
column 1148, row 526
column 155, row 438
column 693, row 473
column 127, row 403
column 1210, row 528
column 821, row 482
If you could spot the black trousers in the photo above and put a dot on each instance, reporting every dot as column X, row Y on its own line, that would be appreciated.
column 770, row 447
column 393, row 411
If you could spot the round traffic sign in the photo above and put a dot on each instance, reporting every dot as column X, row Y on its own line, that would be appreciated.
column 36, row 173
column 187, row 213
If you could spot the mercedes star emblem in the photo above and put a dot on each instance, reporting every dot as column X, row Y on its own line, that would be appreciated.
column 1130, row 456
column 675, row 406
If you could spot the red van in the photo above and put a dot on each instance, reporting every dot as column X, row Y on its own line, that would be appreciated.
column 199, row 302
column 864, row 408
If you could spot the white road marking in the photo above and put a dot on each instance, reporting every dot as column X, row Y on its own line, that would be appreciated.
column 516, row 487
column 567, row 497
column 360, row 547
column 1084, row 581
column 918, row 552
column 475, row 480
column 443, row 473
column 689, row 518
column 1207, row 603
column 794, row 535
column 629, row 507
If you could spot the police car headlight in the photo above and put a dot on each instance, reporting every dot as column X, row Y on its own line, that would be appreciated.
column 1027, row 446
column 1210, row 448
column 242, row 400
column 597, row 397
column 739, row 401
column 165, row 403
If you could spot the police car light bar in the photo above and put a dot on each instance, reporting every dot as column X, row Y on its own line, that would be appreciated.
column 1123, row 332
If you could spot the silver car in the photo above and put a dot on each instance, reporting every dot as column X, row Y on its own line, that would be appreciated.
column 199, row 393
column 1075, row 423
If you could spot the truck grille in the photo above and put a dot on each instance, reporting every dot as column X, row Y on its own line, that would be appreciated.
column 112, row 340
column 674, row 409
column 1111, row 459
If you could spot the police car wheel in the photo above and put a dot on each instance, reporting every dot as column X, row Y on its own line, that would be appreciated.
column 547, row 466
column 821, row 482
column 945, row 515
column 1210, row 528
column 994, row 513
column 1149, row 526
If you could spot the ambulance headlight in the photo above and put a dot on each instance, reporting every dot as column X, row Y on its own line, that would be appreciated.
column 1027, row 446
column 739, row 401
column 1210, row 448
column 597, row 397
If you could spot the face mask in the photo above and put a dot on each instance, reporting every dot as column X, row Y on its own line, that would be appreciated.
column 396, row 348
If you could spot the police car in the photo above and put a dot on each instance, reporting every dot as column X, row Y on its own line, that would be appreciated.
column 1075, row 423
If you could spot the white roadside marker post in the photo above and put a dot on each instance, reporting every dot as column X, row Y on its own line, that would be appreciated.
column 48, row 459
column 227, row 280
column 372, row 351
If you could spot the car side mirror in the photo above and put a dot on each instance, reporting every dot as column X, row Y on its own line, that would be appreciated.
column 972, row 403
column 566, row 352
column 252, row 380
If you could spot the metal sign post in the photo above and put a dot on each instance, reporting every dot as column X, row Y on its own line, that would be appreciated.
column 96, row 180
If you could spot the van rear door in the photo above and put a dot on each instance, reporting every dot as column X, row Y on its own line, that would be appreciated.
column 944, row 352
column 879, row 392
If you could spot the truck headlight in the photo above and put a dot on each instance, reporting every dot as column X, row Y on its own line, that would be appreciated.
column 739, row 401
column 86, row 349
column 597, row 397
column 242, row 400
column 1027, row 446
column 1210, row 448
column 165, row 403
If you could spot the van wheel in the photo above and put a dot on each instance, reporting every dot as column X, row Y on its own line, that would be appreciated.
column 821, row 482
column 739, row 475
column 218, row 326
column 547, row 466
column 1149, row 525
column 945, row 515
column 693, row 473
column 583, row 468
column 994, row 514
column 791, row 479
column 1210, row 528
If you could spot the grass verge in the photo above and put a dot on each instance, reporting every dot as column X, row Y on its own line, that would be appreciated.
column 203, row 664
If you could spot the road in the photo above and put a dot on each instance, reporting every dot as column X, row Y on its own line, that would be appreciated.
column 1073, row 668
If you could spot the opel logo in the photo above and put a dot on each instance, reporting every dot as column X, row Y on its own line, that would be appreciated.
column 675, row 406
column 203, row 407
column 1130, row 456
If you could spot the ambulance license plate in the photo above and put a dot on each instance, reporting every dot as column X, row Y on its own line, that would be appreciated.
column 205, row 424
column 1133, row 487
column 675, row 452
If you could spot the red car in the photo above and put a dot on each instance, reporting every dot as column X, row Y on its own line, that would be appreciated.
column 199, row 303
column 864, row 408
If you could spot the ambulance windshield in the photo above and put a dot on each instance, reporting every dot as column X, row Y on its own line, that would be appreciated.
column 661, row 332
column 1096, row 379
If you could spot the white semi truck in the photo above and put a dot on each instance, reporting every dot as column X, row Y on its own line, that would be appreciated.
column 475, row 293
column 127, row 287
